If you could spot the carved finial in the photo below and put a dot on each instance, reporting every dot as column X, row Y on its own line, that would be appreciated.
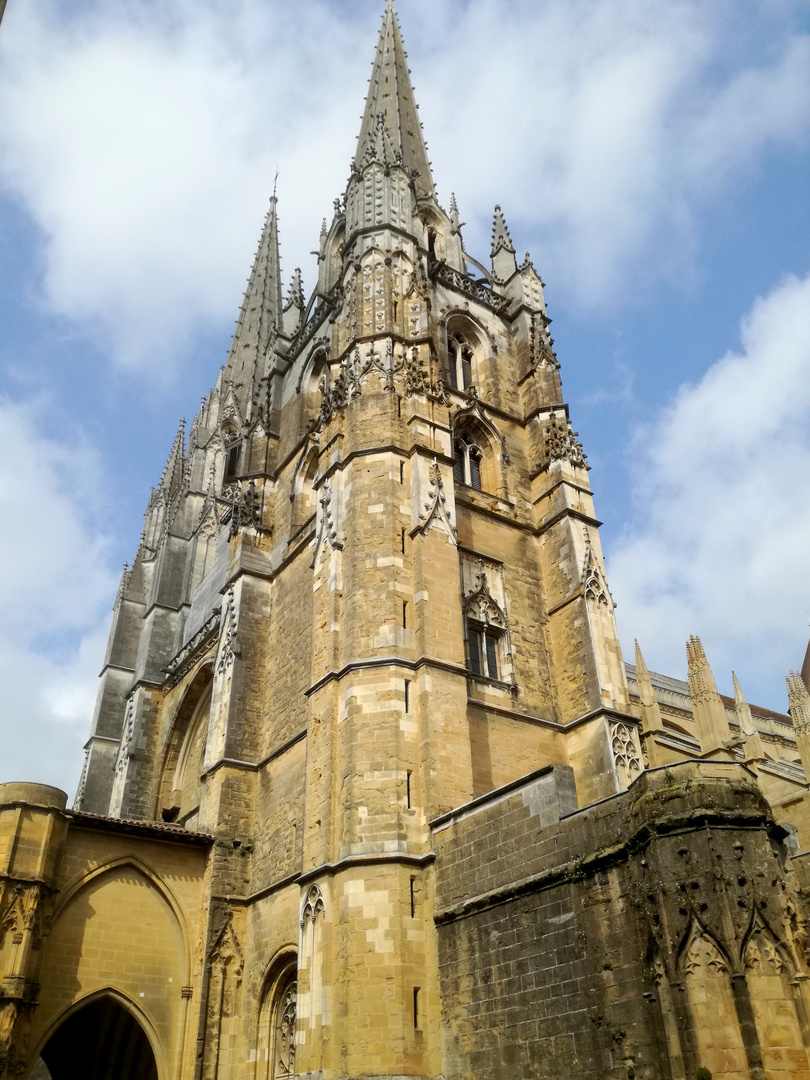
column 501, row 240
column 645, row 686
column 743, row 710
column 799, row 701
column 707, row 707
column 562, row 443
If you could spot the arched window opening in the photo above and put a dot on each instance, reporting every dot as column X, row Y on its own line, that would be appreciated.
column 181, row 786
column 484, row 643
column 284, row 1030
column 312, row 386
column 277, row 1020
column 232, row 448
column 307, row 502
column 467, row 456
column 486, row 625
column 100, row 1041
column 460, row 362
column 431, row 238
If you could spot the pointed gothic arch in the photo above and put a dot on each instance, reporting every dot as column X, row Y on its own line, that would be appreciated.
column 705, row 969
column 477, row 453
column 90, row 877
column 334, row 251
column 277, row 1016
column 776, row 1002
column 179, row 791
column 302, row 488
column 103, row 1036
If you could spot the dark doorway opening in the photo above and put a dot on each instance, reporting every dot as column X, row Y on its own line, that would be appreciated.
column 102, row 1041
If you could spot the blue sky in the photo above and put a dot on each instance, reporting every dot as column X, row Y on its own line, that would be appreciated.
column 654, row 157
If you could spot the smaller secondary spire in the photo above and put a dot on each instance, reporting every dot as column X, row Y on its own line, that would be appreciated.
column 504, row 260
column 261, row 311
column 500, row 234
column 172, row 476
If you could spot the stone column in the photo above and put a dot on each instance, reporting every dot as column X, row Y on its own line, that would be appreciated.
column 32, row 833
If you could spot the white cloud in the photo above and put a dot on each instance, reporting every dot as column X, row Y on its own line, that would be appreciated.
column 143, row 137
column 718, row 544
column 55, row 592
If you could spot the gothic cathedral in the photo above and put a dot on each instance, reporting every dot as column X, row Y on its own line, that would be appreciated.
column 370, row 790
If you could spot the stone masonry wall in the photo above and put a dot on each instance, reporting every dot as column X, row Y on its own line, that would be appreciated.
column 648, row 936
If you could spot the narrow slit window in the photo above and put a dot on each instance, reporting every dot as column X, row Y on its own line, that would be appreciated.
column 402, row 472
column 408, row 789
column 475, row 470
column 232, row 462
column 460, row 363
column 413, row 898
column 402, row 540
column 492, row 657
column 416, row 1016
column 466, row 367
column 475, row 652
column 407, row 696
column 404, row 615
column 459, row 474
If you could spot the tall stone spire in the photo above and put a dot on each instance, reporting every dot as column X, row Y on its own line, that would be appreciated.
column 707, row 706
column 390, row 100
column 261, row 312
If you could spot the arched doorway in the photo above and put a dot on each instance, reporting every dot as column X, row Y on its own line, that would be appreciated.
column 101, row 1041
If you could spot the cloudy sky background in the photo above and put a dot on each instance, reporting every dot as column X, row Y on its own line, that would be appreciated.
column 654, row 157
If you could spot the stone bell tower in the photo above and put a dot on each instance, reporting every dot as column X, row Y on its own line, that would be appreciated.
column 368, row 595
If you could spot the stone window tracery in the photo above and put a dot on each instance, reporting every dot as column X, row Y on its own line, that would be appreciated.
column 486, row 626
column 626, row 753
column 278, row 1014
column 283, row 1030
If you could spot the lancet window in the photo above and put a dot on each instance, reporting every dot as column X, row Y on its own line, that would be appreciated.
column 277, row 1019
column 485, row 622
column 283, row 1031
column 468, row 457
column 484, row 644
column 232, row 448
column 460, row 362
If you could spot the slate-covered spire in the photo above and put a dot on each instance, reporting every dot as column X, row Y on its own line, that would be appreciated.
column 390, row 97
column 261, row 312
